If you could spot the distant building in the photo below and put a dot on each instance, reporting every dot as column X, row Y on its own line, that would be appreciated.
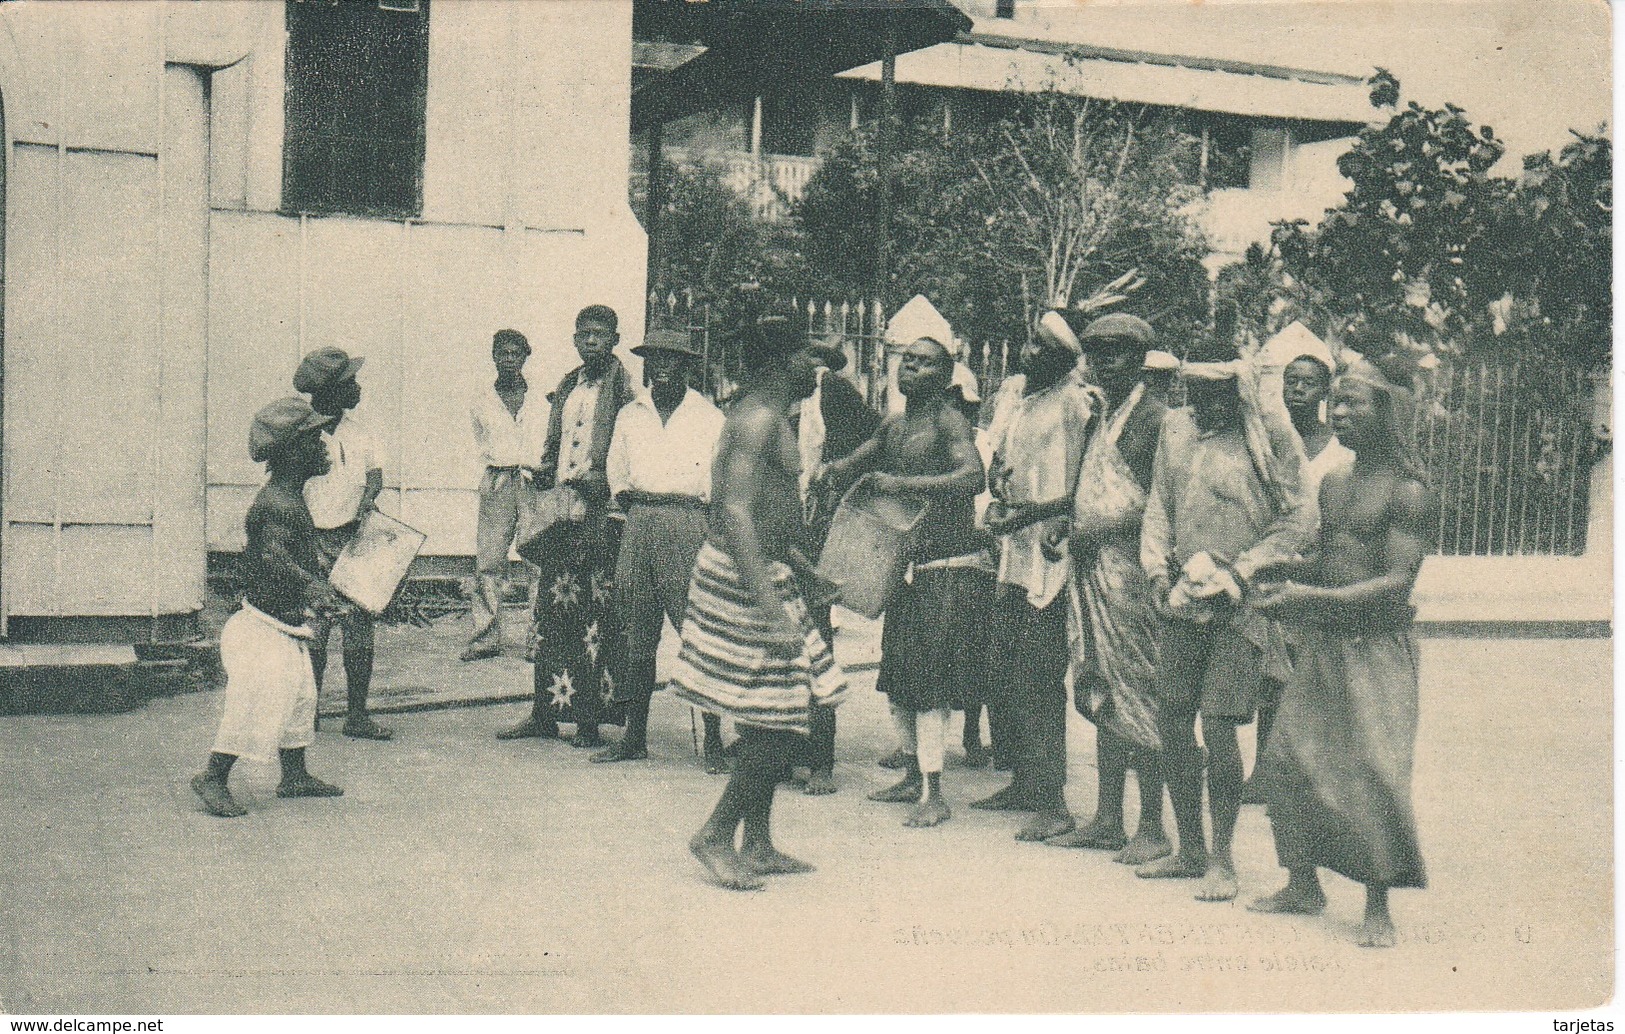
column 1270, row 135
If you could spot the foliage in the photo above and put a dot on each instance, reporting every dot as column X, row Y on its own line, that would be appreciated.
column 1431, row 251
column 709, row 242
column 1045, row 205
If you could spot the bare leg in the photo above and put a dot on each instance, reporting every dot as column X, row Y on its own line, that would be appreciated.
column 297, row 781
column 931, row 732
column 1150, row 839
column 757, row 853
column 716, row 761
column 211, row 785
column 1105, row 831
column 1302, row 896
column 907, row 789
column 1224, row 801
column 977, row 754
column 1252, row 792
column 1182, row 764
column 713, row 845
column 358, row 661
column 821, row 752
column 1377, row 931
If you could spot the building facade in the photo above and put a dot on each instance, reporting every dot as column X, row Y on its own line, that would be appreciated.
column 197, row 194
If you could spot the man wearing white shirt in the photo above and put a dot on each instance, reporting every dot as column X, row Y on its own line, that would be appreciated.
column 337, row 501
column 510, row 428
column 659, row 470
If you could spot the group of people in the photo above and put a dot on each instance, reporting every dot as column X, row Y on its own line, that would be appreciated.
column 1168, row 569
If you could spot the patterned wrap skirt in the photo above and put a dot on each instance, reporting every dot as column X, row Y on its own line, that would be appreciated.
column 726, row 666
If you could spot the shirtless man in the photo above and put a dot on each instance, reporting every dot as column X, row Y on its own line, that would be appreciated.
column 1346, row 730
column 927, row 452
column 750, row 649
column 270, row 698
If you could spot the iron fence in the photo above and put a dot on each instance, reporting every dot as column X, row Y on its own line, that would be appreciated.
column 1508, row 446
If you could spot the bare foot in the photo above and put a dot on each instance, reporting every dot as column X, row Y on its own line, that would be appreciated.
column 820, row 783
column 585, row 740
column 717, row 763
column 723, row 864
column 1046, row 824
column 1098, row 835
column 307, row 786
column 902, row 792
column 1147, row 846
column 530, row 728
column 1218, row 883
column 933, row 811
column 621, row 751
column 897, row 760
column 1376, row 932
column 362, row 727
column 217, row 798
column 1011, row 798
column 1174, row 867
column 770, row 861
column 1291, row 901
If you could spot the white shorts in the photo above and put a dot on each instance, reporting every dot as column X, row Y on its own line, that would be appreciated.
column 270, row 688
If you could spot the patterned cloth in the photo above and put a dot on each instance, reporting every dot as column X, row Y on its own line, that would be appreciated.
column 578, row 631
column 1112, row 623
column 726, row 667
column 1337, row 769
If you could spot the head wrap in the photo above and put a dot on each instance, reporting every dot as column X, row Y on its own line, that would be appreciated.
column 1159, row 361
column 1398, row 412
column 965, row 381
column 1061, row 331
column 1118, row 330
column 1276, row 452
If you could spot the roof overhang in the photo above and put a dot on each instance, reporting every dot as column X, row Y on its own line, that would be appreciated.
column 752, row 45
column 1003, row 64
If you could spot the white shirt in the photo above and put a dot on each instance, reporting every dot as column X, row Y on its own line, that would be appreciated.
column 575, row 439
column 503, row 439
column 673, row 458
column 334, row 499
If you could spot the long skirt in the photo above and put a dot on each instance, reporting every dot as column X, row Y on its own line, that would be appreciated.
column 727, row 667
column 934, row 644
column 579, row 645
column 1114, row 631
column 1337, row 769
column 270, row 689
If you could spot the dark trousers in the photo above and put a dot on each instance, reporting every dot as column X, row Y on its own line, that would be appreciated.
column 1030, row 670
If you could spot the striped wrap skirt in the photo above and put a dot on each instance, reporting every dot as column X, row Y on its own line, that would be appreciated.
column 726, row 666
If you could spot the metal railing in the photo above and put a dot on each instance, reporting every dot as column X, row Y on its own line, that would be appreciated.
column 1508, row 446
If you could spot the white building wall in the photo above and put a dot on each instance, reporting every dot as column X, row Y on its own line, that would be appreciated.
column 148, row 270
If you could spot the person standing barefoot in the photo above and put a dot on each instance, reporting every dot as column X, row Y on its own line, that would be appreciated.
column 750, row 649
column 1336, row 773
column 270, row 698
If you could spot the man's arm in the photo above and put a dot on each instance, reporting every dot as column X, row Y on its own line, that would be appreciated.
column 278, row 537
column 1157, row 529
column 1288, row 536
column 967, row 477
column 745, row 442
column 859, row 460
column 1413, row 512
column 618, row 463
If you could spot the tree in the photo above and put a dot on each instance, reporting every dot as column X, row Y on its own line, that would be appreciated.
column 1046, row 205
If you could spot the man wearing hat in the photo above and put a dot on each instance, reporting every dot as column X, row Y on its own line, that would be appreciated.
column 338, row 500
column 1114, row 626
column 270, row 698
column 750, row 649
column 659, row 470
column 575, row 624
column 829, row 425
column 510, row 423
